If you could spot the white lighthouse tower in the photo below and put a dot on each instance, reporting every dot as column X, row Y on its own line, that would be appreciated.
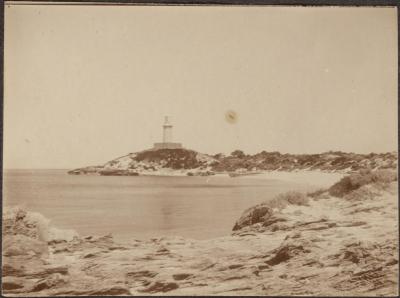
column 167, row 137
column 167, row 131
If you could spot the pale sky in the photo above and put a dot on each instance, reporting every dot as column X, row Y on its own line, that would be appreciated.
column 86, row 84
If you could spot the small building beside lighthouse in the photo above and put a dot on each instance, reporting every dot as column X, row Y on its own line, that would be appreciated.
column 167, row 142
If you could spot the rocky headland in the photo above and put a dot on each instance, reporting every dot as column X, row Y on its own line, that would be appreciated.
column 338, row 241
column 185, row 162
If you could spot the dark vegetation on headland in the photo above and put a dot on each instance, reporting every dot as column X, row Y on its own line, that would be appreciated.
column 149, row 161
column 171, row 158
column 327, row 161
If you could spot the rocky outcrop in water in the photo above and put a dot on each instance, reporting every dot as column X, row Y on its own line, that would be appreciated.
column 182, row 162
column 192, row 163
column 325, row 243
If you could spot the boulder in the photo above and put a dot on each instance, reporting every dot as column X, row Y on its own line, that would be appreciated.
column 181, row 276
column 269, row 213
column 291, row 247
column 49, row 282
column 257, row 214
column 358, row 252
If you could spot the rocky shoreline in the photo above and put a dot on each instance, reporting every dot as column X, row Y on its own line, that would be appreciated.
column 338, row 241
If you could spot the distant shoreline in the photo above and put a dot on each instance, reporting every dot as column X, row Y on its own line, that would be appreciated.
column 181, row 162
column 297, row 176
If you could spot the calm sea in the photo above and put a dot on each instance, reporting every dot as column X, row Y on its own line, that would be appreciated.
column 139, row 207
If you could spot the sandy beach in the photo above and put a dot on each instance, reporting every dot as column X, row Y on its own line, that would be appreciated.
column 315, row 177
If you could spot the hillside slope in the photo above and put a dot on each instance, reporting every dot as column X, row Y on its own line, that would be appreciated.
column 155, row 162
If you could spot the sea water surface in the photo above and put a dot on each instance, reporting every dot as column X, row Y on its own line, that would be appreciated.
column 140, row 207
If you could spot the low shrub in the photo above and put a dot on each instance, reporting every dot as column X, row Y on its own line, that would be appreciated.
column 288, row 198
column 355, row 181
column 171, row 158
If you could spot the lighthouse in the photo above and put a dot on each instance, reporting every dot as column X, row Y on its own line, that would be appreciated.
column 167, row 142
column 167, row 131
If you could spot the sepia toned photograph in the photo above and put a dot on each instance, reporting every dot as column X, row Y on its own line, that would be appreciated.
column 212, row 150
